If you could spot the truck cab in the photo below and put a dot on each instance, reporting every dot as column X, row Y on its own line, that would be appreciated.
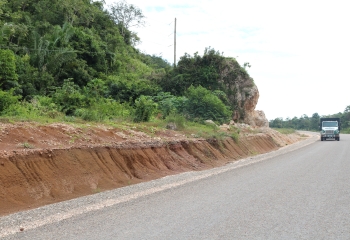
column 330, row 128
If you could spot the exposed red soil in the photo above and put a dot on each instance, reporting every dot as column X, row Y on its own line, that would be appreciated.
column 43, row 164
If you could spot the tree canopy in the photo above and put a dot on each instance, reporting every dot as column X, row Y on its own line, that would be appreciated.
column 312, row 123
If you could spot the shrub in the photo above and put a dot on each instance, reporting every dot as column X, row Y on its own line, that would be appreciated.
column 37, row 108
column 144, row 109
column 104, row 109
column 235, row 136
column 180, row 121
column 129, row 89
column 203, row 104
column 169, row 104
column 69, row 97
column 7, row 99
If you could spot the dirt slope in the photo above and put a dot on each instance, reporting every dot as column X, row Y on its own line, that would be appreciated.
column 43, row 164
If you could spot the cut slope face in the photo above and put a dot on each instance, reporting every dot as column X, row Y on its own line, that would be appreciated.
column 104, row 159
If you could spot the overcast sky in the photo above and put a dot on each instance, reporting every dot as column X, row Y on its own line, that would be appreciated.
column 298, row 50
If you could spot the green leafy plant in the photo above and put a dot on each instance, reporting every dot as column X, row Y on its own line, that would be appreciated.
column 69, row 97
column 8, row 75
column 205, row 105
column 179, row 120
column 26, row 145
column 235, row 136
column 7, row 99
column 145, row 107
column 285, row 130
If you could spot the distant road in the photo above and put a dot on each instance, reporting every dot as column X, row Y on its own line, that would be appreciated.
column 303, row 194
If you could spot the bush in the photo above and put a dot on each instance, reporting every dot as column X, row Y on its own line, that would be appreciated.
column 37, row 108
column 203, row 104
column 180, row 121
column 104, row 109
column 144, row 109
column 169, row 104
column 128, row 90
column 69, row 98
column 7, row 99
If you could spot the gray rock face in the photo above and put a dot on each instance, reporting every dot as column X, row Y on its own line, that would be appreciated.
column 256, row 118
column 210, row 122
column 243, row 95
column 171, row 126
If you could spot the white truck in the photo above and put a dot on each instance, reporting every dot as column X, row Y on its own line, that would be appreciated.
column 330, row 128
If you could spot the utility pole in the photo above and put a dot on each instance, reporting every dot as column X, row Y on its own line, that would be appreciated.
column 175, row 44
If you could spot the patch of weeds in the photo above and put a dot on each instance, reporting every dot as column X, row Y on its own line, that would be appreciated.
column 97, row 190
column 69, row 119
column 254, row 153
column 4, row 120
column 219, row 135
column 285, row 130
column 26, row 145
column 234, row 129
column 73, row 138
column 255, row 131
column 207, row 153
column 235, row 136
column 153, row 130
column 303, row 135
column 180, row 121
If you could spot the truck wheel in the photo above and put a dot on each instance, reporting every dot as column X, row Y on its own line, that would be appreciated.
column 338, row 138
column 321, row 138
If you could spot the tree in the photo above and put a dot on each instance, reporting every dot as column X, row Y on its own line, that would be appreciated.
column 8, row 76
column 315, row 119
column 347, row 109
column 127, row 16
column 194, row 71
column 53, row 50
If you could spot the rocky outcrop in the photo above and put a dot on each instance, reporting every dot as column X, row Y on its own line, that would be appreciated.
column 255, row 118
column 242, row 94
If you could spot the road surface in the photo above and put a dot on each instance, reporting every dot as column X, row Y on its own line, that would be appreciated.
column 300, row 194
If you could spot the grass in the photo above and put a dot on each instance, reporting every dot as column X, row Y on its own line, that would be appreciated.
column 345, row 130
column 28, row 113
column 235, row 137
column 285, row 130
column 26, row 145
column 97, row 190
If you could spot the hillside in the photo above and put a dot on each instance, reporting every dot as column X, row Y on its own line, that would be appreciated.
column 67, row 59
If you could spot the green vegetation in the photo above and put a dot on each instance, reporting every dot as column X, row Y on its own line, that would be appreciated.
column 74, row 61
column 312, row 123
column 285, row 130
column 25, row 145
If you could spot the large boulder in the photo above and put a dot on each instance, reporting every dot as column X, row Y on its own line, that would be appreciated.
column 243, row 94
column 255, row 118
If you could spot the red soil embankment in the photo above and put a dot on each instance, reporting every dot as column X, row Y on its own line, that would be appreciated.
column 35, row 177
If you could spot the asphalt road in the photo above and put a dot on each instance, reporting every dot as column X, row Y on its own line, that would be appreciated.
column 300, row 194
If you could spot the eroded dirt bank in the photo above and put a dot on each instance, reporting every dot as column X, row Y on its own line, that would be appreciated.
column 32, row 177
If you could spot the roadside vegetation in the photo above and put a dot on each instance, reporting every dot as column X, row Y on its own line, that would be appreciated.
column 76, row 61
column 312, row 123
column 285, row 130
